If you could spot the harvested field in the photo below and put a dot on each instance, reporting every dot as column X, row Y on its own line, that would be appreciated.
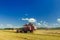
column 37, row 35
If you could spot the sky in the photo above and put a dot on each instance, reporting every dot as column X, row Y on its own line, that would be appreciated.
column 15, row 13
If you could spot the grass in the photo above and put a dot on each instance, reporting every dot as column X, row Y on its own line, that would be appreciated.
column 37, row 35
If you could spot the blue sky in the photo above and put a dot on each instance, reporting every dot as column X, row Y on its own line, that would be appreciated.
column 12, row 11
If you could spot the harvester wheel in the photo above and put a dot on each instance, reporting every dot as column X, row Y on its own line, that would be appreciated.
column 25, row 31
column 21, row 31
column 31, row 31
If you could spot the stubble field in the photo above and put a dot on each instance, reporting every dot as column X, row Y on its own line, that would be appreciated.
column 37, row 35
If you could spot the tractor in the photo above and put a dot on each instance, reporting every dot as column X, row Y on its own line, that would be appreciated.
column 27, row 28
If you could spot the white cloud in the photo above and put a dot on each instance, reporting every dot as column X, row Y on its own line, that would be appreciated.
column 54, row 25
column 29, row 19
column 32, row 20
column 1, row 25
column 39, row 24
column 9, row 25
column 25, row 19
column 58, row 20
column 42, row 24
column 41, row 21
column 45, row 24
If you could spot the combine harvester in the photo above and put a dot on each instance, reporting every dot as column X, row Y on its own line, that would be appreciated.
column 27, row 28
